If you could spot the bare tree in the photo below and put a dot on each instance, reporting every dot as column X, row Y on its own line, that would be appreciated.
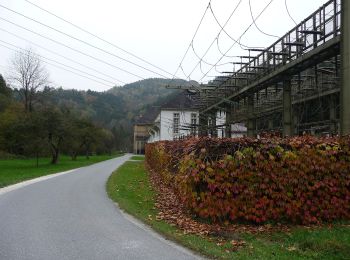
column 28, row 73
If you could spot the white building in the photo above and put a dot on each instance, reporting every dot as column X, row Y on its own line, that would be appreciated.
column 220, row 124
column 177, row 118
column 238, row 130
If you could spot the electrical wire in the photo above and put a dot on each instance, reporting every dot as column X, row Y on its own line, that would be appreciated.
column 62, row 64
column 183, row 71
column 60, row 67
column 222, row 28
column 263, row 11
column 64, row 45
column 290, row 16
column 202, row 60
column 60, row 55
column 257, row 27
column 189, row 46
column 219, row 49
column 235, row 41
column 98, row 37
column 198, row 63
column 82, row 41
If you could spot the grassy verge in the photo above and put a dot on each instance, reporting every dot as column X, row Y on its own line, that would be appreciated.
column 17, row 170
column 137, row 158
column 130, row 187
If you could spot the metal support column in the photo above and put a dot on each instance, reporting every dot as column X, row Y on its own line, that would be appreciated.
column 345, row 68
column 251, row 119
column 228, row 123
column 287, row 108
column 332, row 114
column 295, row 123
column 213, row 130
column 203, row 125
column 270, row 124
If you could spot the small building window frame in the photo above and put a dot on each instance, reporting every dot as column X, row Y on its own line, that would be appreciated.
column 176, row 123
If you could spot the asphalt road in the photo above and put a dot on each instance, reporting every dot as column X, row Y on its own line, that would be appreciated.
column 71, row 217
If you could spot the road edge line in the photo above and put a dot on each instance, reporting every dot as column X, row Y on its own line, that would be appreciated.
column 32, row 181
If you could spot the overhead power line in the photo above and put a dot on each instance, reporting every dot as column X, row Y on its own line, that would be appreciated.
column 222, row 28
column 82, row 41
column 62, row 44
column 62, row 68
column 194, row 35
column 62, row 64
column 98, row 37
column 201, row 59
column 290, row 16
column 254, row 21
column 240, row 37
column 62, row 56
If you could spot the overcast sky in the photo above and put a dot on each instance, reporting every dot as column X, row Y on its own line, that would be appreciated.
column 158, row 31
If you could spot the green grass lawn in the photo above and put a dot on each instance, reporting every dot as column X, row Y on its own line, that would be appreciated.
column 130, row 187
column 17, row 170
column 137, row 158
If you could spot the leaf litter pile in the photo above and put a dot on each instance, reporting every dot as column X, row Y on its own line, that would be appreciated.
column 172, row 211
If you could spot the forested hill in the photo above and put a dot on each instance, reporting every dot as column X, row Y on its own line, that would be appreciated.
column 143, row 92
column 116, row 108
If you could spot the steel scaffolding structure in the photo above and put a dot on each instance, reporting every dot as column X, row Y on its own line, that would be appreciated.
column 298, row 84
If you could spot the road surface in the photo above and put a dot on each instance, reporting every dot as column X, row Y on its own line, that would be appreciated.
column 71, row 217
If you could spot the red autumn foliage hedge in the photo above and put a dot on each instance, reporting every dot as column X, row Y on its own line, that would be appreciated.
column 296, row 180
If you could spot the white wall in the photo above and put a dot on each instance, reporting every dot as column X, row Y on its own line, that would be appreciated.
column 155, row 131
column 221, row 120
column 166, row 123
column 154, row 136
column 238, row 130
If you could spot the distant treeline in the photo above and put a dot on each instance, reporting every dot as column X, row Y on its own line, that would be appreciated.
column 47, row 129
column 75, row 122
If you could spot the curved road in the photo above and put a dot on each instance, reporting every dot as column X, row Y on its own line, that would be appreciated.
column 70, row 217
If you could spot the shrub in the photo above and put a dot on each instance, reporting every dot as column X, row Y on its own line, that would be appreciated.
column 297, row 180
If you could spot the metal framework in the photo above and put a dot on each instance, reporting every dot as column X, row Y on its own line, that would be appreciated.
column 292, row 86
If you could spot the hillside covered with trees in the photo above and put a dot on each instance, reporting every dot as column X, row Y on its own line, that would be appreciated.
column 116, row 109
column 74, row 122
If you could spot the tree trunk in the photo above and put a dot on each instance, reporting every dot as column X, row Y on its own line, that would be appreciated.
column 74, row 156
column 26, row 99
column 55, row 150
column 55, row 155
column 26, row 103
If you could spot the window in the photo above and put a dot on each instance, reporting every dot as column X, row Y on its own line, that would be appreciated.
column 176, row 123
column 193, row 124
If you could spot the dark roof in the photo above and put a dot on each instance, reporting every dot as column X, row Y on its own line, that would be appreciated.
column 183, row 100
column 148, row 117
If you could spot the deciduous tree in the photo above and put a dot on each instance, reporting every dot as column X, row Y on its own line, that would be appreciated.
column 28, row 74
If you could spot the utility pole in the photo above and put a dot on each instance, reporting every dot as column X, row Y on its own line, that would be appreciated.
column 287, row 108
column 345, row 69
column 251, row 119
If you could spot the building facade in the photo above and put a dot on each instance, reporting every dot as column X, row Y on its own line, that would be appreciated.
column 176, row 119
column 141, row 135
column 142, row 129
